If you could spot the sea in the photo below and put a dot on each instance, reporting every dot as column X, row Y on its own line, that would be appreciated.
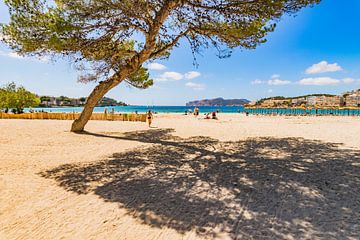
column 204, row 109
column 143, row 109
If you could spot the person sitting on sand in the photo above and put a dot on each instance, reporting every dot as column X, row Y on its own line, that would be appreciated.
column 207, row 116
column 149, row 117
column 214, row 115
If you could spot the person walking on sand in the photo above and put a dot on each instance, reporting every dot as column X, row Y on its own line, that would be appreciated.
column 196, row 111
column 149, row 117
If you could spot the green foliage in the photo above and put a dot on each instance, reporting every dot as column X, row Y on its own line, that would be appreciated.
column 17, row 98
column 140, row 79
column 104, row 37
column 105, row 101
column 45, row 98
column 64, row 99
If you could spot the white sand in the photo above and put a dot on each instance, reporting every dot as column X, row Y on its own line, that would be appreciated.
column 239, row 177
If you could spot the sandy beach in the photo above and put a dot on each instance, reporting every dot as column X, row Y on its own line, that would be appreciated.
column 255, row 177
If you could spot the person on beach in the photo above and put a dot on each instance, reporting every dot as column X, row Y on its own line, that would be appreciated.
column 149, row 117
column 214, row 115
column 196, row 111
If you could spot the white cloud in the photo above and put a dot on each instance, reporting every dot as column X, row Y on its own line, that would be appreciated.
column 156, row 66
column 44, row 59
column 195, row 86
column 192, row 75
column 257, row 81
column 11, row 55
column 277, row 82
column 320, row 81
column 270, row 91
column 169, row 76
column 323, row 67
column 175, row 76
column 350, row 80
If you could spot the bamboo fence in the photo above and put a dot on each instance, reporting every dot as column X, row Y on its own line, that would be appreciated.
column 72, row 116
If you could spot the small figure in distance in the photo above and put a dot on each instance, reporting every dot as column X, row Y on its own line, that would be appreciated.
column 214, row 115
column 196, row 111
column 149, row 117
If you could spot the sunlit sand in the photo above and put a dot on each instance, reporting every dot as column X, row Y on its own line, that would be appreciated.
column 185, row 178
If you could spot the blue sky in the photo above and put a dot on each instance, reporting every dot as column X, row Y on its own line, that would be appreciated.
column 317, row 51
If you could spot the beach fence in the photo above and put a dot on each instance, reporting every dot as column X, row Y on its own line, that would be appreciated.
column 132, row 117
column 304, row 111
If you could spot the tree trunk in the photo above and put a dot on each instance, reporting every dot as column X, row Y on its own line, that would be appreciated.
column 93, row 99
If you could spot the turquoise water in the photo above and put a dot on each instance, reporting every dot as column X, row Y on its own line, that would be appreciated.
column 224, row 109
column 143, row 109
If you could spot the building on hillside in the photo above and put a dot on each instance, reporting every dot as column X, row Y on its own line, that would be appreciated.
column 357, row 92
column 310, row 100
column 75, row 102
column 251, row 104
column 327, row 101
column 49, row 102
column 298, row 101
column 352, row 100
column 275, row 103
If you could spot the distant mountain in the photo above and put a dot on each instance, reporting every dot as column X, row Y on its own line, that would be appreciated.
column 218, row 102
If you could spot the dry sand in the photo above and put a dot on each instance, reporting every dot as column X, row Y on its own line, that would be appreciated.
column 236, row 178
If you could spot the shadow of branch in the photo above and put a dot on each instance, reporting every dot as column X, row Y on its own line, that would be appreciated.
column 257, row 188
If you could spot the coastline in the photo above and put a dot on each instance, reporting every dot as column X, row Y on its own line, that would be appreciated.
column 208, row 109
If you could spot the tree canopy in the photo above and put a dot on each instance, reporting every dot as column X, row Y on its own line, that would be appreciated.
column 110, row 40
column 107, row 34
column 17, row 98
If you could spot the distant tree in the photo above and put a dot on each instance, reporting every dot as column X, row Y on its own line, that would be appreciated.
column 111, row 40
column 64, row 99
column 3, row 98
column 105, row 101
column 44, row 98
column 17, row 98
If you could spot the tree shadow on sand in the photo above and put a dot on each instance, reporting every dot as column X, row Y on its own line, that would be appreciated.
column 262, row 188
